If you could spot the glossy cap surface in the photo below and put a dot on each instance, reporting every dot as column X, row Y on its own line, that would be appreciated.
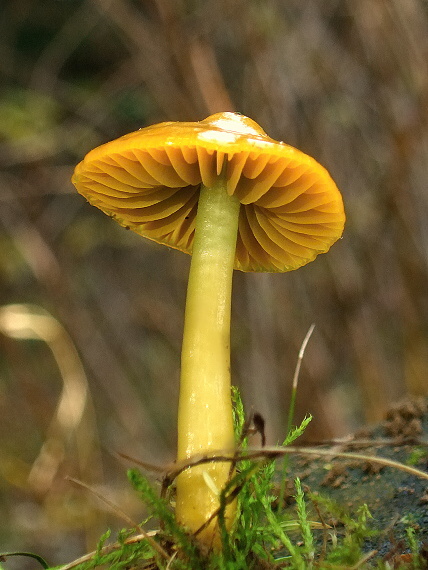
column 149, row 181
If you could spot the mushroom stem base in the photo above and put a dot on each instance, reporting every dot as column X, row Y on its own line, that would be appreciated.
column 205, row 411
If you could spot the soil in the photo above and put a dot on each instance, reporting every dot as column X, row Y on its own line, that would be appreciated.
column 396, row 500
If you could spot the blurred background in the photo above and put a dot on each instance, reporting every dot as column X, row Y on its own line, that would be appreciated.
column 91, row 315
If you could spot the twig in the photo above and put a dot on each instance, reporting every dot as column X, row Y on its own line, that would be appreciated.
column 124, row 516
column 379, row 442
column 143, row 464
column 276, row 452
column 116, row 510
column 111, row 547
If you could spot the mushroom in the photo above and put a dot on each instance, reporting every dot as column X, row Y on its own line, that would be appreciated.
column 224, row 191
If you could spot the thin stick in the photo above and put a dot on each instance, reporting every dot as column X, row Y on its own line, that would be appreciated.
column 380, row 442
column 143, row 464
column 112, row 547
column 114, row 508
column 275, row 452
column 348, row 455
column 123, row 515
column 344, row 442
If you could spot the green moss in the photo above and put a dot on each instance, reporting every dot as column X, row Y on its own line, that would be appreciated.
column 312, row 532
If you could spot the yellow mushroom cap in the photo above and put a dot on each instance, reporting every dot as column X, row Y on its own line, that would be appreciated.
column 149, row 180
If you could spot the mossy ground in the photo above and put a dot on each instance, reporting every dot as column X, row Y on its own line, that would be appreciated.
column 329, row 515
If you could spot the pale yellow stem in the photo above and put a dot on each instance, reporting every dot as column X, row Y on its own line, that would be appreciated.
column 205, row 409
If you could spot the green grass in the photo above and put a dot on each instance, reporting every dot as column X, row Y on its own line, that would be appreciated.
column 269, row 532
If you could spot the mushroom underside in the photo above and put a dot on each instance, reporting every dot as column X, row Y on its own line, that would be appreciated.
column 291, row 209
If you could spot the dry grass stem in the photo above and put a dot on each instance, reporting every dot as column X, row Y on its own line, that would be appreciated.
column 111, row 547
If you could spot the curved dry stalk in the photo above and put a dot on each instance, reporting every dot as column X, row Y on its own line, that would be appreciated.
column 378, row 442
column 111, row 547
column 144, row 464
column 301, row 355
column 277, row 452
column 126, row 518
column 114, row 508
